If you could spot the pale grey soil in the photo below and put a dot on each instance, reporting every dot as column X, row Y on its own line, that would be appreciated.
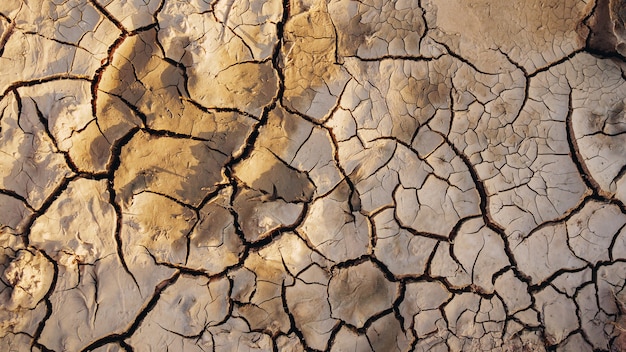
column 291, row 175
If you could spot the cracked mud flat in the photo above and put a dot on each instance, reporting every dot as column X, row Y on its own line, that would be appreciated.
column 341, row 175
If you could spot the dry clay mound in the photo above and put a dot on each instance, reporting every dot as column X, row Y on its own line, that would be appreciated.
column 291, row 175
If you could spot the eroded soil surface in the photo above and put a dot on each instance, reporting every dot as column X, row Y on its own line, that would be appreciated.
column 290, row 175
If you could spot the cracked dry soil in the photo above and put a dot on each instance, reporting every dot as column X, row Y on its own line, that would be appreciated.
column 312, row 175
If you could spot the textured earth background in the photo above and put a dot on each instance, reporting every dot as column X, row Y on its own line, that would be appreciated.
column 289, row 175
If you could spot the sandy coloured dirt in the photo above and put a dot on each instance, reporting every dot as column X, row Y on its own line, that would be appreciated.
column 312, row 175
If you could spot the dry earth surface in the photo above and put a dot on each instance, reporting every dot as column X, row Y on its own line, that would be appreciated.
column 290, row 175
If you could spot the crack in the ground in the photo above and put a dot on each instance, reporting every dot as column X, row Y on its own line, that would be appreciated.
column 457, row 147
